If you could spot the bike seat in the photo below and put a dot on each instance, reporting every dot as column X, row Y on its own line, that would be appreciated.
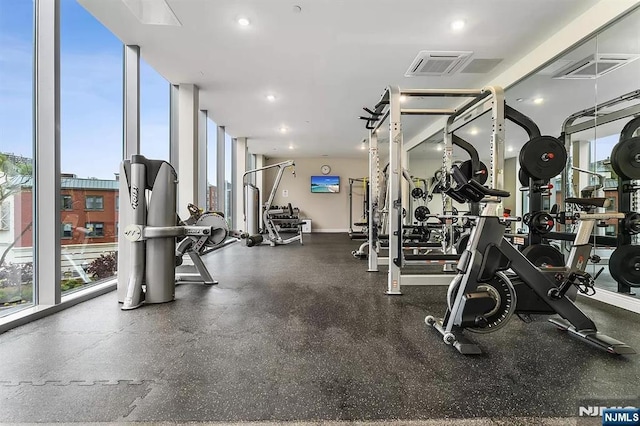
column 589, row 202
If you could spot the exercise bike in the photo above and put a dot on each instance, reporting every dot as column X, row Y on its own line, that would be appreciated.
column 495, row 280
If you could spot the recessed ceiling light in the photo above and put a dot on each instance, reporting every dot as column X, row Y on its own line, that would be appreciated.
column 363, row 146
column 520, row 99
column 403, row 98
column 271, row 98
column 290, row 146
column 378, row 130
column 244, row 22
column 297, row 9
column 510, row 149
column 538, row 101
column 473, row 131
column 457, row 25
column 439, row 147
column 283, row 129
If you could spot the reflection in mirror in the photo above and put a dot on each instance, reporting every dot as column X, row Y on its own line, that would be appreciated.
column 617, row 92
column 586, row 97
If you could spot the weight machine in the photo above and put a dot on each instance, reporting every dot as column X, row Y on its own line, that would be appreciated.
column 268, row 214
column 147, row 252
column 389, row 108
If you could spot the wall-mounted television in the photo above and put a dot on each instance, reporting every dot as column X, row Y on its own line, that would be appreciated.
column 326, row 184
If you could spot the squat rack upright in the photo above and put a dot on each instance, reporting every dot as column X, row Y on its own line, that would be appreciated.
column 488, row 99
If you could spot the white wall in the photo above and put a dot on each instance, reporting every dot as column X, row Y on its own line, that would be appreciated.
column 328, row 212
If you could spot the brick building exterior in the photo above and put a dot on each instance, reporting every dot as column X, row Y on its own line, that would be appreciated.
column 89, row 211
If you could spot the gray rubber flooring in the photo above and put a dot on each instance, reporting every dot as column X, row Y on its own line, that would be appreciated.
column 303, row 333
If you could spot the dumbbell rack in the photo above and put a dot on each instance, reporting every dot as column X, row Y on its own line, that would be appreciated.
column 287, row 223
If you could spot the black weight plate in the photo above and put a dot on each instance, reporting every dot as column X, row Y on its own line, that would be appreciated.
column 632, row 223
column 520, row 156
column 523, row 178
column 630, row 128
column 625, row 158
column 462, row 243
column 542, row 254
column 613, row 157
column 465, row 168
column 541, row 223
column 481, row 178
column 624, row 265
column 417, row 192
column 421, row 213
column 543, row 157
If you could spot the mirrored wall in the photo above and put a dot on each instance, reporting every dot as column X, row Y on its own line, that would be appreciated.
column 585, row 98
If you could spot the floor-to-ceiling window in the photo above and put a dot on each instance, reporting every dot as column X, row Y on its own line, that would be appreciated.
column 212, row 166
column 16, row 155
column 228, row 198
column 91, row 146
column 154, row 113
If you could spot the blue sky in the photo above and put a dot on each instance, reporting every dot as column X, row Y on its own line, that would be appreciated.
column 91, row 92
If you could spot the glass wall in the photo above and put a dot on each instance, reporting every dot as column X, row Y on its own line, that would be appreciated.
column 228, row 198
column 16, row 155
column 212, row 165
column 154, row 114
column 91, row 146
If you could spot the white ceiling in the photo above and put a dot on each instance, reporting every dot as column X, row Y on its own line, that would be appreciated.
column 562, row 97
column 325, row 63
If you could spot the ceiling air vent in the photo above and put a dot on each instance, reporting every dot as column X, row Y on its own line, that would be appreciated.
column 430, row 63
column 480, row 66
column 594, row 66
column 556, row 66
